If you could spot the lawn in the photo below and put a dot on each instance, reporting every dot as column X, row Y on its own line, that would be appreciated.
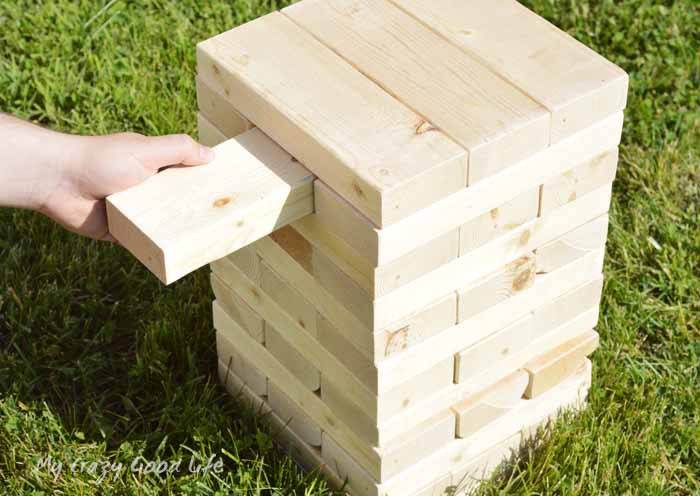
column 100, row 362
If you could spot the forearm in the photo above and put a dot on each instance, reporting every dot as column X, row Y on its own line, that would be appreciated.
column 33, row 162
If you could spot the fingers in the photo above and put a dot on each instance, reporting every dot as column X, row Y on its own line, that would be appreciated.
column 175, row 149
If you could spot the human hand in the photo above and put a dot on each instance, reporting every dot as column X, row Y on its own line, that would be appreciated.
column 68, row 177
column 108, row 164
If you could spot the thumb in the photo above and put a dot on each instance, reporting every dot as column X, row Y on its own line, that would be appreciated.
column 155, row 152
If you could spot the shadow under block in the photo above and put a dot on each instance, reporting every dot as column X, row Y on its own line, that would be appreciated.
column 185, row 217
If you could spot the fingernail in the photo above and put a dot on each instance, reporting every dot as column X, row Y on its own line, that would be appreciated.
column 206, row 153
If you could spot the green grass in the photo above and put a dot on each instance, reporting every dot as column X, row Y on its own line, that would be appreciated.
column 99, row 362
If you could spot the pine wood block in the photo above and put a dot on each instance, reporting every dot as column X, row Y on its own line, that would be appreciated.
column 578, row 86
column 307, row 400
column 496, row 122
column 381, row 246
column 548, row 370
column 427, row 438
column 490, row 290
column 480, row 262
column 297, row 420
column 413, row 391
column 247, row 260
column 516, row 337
column 467, row 460
column 578, row 181
column 289, row 299
column 309, row 457
column 185, row 217
column 547, row 287
column 500, row 220
column 238, row 309
column 242, row 367
column 209, row 134
column 218, row 111
column 576, row 243
column 292, row 360
column 367, row 145
column 495, row 401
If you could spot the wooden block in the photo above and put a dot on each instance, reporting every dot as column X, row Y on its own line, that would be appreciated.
column 293, row 416
column 289, row 299
column 247, row 260
column 518, row 336
column 578, row 86
column 495, row 401
column 238, row 309
column 546, row 287
column 458, row 208
column 334, row 247
column 332, row 340
column 219, row 112
column 465, row 458
column 242, row 367
column 186, row 217
column 308, row 401
column 498, row 221
column 292, row 360
column 490, row 290
column 576, row 243
column 296, row 338
column 209, row 134
column 428, row 438
column 389, row 404
column 579, row 181
column 416, row 328
column 367, row 146
column 483, row 260
column 550, row 369
column 307, row 456
column 495, row 121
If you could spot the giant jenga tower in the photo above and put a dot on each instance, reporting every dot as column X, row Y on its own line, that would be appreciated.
column 419, row 191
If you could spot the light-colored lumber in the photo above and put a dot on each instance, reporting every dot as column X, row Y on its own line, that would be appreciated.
column 483, row 260
column 495, row 401
column 209, row 134
column 575, row 183
column 546, row 287
column 548, row 370
column 292, row 415
column 465, row 457
column 578, row 86
column 428, row 438
column 516, row 337
column 452, row 90
column 238, row 309
column 389, row 404
column 247, row 260
column 218, row 111
column 307, row 456
column 308, row 401
column 289, row 299
column 366, row 145
column 186, row 217
column 575, row 243
column 384, row 245
column 242, row 367
column 292, row 360
column 498, row 221
column 456, row 393
column 496, row 287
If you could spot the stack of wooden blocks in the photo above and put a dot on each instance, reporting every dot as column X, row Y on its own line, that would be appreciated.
column 437, row 305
